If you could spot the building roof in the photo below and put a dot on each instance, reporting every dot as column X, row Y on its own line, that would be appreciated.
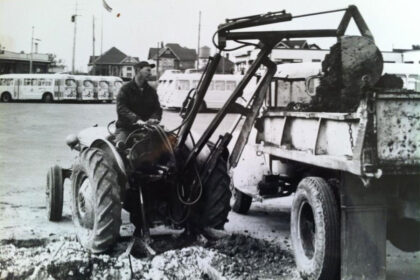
column 296, row 44
column 182, row 53
column 38, row 57
column 113, row 56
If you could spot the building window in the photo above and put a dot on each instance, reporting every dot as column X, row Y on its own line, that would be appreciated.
column 316, row 60
column 129, row 68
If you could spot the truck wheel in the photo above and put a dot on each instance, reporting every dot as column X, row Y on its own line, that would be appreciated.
column 54, row 193
column 96, row 205
column 404, row 234
column 240, row 202
column 214, row 206
column 315, row 230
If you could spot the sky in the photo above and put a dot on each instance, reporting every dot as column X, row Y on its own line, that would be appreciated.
column 141, row 24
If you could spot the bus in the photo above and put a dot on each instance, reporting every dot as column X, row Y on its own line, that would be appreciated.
column 409, row 73
column 114, row 85
column 45, row 87
column 173, row 88
column 86, row 88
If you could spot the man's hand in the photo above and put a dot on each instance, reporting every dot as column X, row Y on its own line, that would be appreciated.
column 148, row 122
column 140, row 122
column 152, row 121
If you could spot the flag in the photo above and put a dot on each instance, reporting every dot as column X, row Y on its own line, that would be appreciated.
column 106, row 6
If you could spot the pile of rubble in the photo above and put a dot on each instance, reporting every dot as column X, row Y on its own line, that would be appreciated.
column 231, row 257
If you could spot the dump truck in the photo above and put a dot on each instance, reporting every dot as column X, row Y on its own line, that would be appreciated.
column 354, row 168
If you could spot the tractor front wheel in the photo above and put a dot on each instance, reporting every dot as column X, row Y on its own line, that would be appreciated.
column 54, row 193
column 240, row 202
column 96, row 205
column 213, row 208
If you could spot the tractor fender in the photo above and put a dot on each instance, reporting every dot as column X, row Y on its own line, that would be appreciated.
column 112, row 153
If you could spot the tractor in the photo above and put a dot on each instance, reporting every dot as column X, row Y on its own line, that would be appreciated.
column 166, row 176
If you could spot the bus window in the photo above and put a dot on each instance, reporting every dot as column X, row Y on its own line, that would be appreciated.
column 34, row 82
column 70, row 82
column 87, row 83
column 48, row 82
column 414, row 77
column 41, row 82
column 211, row 86
column 183, row 85
column 103, row 84
column 27, row 82
column 195, row 83
column 230, row 85
column 219, row 85
column 1, row 82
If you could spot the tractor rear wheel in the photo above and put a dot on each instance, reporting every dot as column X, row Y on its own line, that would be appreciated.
column 213, row 207
column 315, row 230
column 54, row 193
column 96, row 201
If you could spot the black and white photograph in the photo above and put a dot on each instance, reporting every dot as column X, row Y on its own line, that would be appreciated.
column 214, row 140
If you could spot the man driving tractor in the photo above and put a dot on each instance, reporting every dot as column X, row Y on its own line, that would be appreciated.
column 137, row 102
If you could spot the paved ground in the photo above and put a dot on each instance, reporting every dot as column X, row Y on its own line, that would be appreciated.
column 32, row 138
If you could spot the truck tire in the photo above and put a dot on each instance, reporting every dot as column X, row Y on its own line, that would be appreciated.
column 54, row 193
column 404, row 234
column 214, row 205
column 315, row 230
column 240, row 202
column 96, row 203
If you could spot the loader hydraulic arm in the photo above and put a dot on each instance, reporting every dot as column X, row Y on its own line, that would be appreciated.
column 267, row 40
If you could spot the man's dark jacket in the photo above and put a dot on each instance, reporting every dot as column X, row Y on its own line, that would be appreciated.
column 134, row 103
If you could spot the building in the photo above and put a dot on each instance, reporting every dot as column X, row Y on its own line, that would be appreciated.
column 172, row 56
column 13, row 62
column 113, row 62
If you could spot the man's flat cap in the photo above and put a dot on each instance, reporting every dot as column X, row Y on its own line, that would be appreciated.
column 142, row 64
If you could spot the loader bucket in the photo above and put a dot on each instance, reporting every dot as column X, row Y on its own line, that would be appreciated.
column 360, row 57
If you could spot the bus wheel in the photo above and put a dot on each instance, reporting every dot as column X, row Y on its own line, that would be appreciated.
column 47, row 97
column 6, row 97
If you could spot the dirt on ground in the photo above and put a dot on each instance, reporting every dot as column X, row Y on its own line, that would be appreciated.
column 231, row 257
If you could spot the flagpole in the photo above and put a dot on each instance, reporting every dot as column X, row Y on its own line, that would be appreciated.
column 32, row 50
column 198, row 44
column 102, row 30
column 74, row 39
column 93, row 44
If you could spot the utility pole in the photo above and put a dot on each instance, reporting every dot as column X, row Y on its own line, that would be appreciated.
column 93, row 45
column 74, row 38
column 198, row 44
column 32, row 50
column 102, row 31
column 157, row 61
